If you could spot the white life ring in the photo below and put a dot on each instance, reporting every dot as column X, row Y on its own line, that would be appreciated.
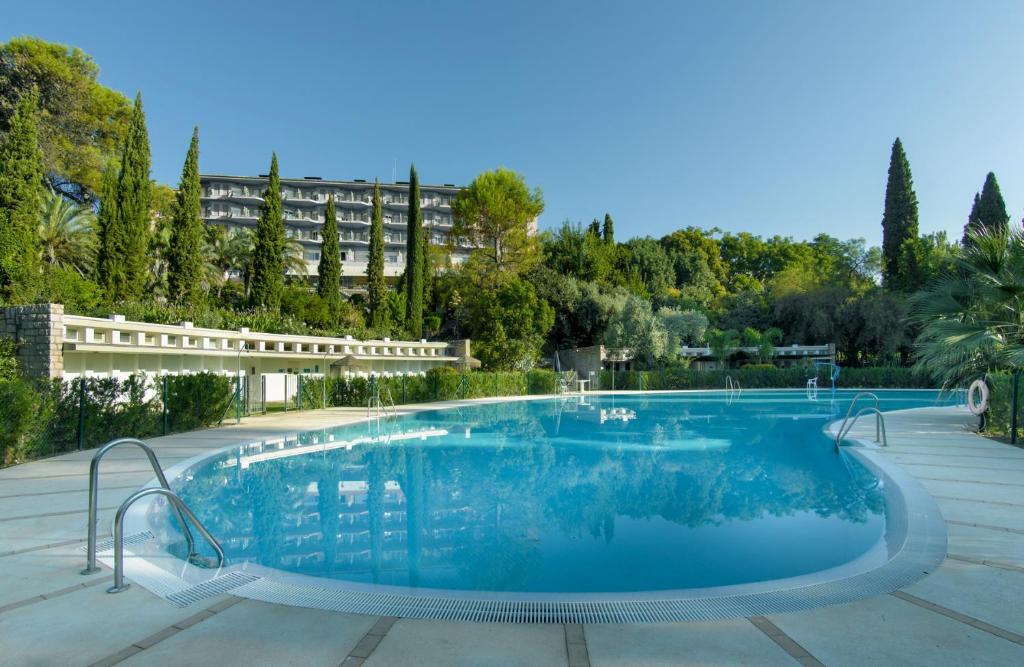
column 979, row 407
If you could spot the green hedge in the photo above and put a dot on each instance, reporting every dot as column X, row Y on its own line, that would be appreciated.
column 43, row 418
column 674, row 377
column 1000, row 387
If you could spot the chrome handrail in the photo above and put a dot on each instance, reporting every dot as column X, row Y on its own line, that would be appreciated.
column 880, row 434
column 179, row 506
column 853, row 403
column 94, row 493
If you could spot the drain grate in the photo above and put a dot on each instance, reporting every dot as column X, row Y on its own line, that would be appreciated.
column 129, row 540
column 210, row 588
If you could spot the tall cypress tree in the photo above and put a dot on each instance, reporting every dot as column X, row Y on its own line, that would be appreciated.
column 110, row 256
column 21, row 189
column 609, row 229
column 267, row 281
column 595, row 228
column 899, row 221
column 329, row 269
column 989, row 210
column 133, row 199
column 428, row 269
column 185, row 254
column 414, row 259
column 376, row 288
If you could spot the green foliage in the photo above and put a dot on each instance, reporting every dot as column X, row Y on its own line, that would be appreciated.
column 185, row 255
column 899, row 221
column 723, row 344
column 8, row 360
column 509, row 325
column 686, row 327
column 988, row 211
column 83, row 122
column 376, row 288
column 197, row 400
column 267, row 279
column 582, row 309
column 78, row 293
column 649, row 265
column 21, row 183
column 329, row 284
column 67, row 234
column 414, row 260
column 678, row 376
column 608, row 231
column 24, row 413
column 638, row 330
column 494, row 214
column 570, row 251
column 133, row 199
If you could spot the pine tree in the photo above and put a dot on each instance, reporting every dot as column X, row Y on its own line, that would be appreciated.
column 110, row 256
column 989, row 210
column 899, row 221
column 376, row 288
column 21, row 190
column 133, row 198
column 609, row 229
column 414, row 260
column 267, row 281
column 595, row 228
column 185, row 255
column 329, row 270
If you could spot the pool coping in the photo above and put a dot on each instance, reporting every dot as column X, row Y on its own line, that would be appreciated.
column 919, row 550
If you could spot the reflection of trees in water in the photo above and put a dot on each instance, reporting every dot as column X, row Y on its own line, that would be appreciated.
column 482, row 509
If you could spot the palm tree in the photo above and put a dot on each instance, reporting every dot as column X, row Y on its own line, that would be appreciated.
column 972, row 318
column 294, row 257
column 722, row 344
column 764, row 341
column 230, row 253
column 67, row 234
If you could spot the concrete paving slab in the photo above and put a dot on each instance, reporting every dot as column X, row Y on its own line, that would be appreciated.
column 39, row 572
column 971, row 511
column 735, row 642
column 986, row 593
column 985, row 544
column 968, row 475
column 888, row 631
column 45, row 530
column 451, row 644
column 255, row 633
column 1013, row 495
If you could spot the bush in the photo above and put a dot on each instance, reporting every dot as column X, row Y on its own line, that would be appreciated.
column 762, row 377
column 197, row 400
column 24, row 413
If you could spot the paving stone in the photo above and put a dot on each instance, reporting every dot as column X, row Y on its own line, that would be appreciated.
column 733, row 642
column 986, row 593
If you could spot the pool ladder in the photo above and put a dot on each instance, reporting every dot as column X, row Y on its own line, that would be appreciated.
column 181, row 511
column 383, row 401
column 848, row 423
column 733, row 388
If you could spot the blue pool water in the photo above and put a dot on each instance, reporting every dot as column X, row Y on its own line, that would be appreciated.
column 638, row 492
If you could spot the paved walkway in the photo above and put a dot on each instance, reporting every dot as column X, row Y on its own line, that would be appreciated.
column 970, row 611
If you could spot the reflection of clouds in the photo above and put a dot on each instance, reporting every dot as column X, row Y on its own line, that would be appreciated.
column 624, row 415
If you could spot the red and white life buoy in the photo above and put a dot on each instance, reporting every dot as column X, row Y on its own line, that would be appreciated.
column 979, row 406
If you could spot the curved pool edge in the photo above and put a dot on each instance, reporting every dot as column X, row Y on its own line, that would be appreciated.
column 921, row 548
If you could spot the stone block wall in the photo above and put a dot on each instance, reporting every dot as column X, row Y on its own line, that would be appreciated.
column 38, row 331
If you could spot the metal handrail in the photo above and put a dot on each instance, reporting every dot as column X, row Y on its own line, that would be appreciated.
column 880, row 435
column 853, row 403
column 179, row 506
column 94, row 492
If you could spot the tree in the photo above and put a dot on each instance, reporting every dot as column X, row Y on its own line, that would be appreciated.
column 722, row 343
column 509, row 325
column 329, row 270
column 185, row 254
column 573, row 252
column 82, row 124
column 414, row 259
column 376, row 288
column 683, row 327
column 637, row 329
column 67, row 236
column 125, row 253
column 764, row 341
column 267, row 280
column 989, row 210
column 646, row 267
column 21, row 183
column 609, row 229
column 495, row 215
column 594, row 229
column 110, row 234
column 899, row 221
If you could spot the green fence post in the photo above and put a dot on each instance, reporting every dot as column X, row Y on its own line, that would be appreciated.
column 1013, row 409
column 286, row 392
column 298, row 394
column 238, row 399
column 405, row 396
column 165, row 404
column 81, row 412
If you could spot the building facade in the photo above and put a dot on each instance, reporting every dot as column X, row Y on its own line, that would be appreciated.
column 233, row 202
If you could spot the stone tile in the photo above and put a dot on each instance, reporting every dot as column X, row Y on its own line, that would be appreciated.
column 987, row 492
column 986, row 593
column 463, row 644
column 254, row 633
column 1004, row 516
column 40, row 572
column 733, row 642
column 985, row 544
column 887, row 631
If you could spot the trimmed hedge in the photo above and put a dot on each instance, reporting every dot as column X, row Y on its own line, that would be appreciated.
column 1000, row 397
column 763, row 378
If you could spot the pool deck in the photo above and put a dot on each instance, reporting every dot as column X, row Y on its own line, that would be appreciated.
column 970, row 611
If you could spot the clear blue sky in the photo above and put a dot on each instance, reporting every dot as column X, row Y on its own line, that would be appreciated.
column 771, row 117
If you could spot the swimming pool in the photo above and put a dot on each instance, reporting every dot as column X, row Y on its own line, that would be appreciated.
column 614, row 497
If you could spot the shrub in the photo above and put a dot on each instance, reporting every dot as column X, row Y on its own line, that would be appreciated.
column 197, row 400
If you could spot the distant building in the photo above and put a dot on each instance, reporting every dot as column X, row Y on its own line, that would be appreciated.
column 234, row 202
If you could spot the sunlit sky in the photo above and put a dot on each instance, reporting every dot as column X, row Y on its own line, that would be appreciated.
column 769, row 117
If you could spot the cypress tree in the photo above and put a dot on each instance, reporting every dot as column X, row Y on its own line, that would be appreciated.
column 21, row 189
column 595, row 228
column 268, row 251
column 989, row 210
column 899, row 221
column 133, row 198
column 185, row 255
column 414, row 259
column 376, row 288
column 329, row 270
column 609, row 229
column 110, row 257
